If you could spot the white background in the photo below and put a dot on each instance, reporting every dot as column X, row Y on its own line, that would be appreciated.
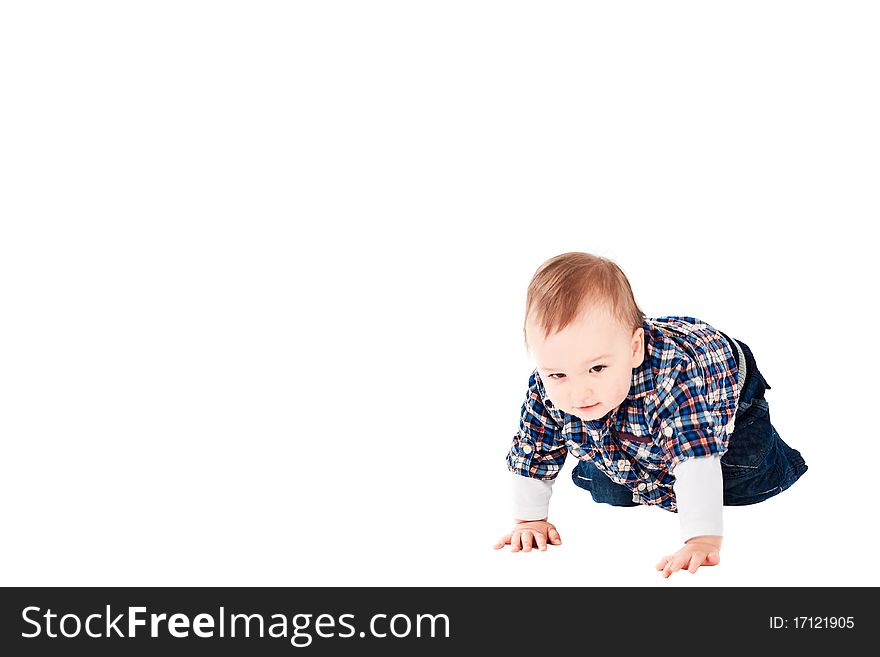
column 263, row 269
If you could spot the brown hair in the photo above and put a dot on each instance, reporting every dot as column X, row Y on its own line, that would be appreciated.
column 565, row 285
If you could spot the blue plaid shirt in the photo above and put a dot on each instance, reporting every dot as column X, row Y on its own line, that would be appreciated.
column 681, row 404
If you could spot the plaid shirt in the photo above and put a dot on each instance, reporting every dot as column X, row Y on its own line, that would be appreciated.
column 681, row 404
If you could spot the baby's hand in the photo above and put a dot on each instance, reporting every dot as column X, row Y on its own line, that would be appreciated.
column 525, row 531
column 697, row 551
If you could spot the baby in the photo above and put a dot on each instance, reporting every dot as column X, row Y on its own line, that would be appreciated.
column 667, row 412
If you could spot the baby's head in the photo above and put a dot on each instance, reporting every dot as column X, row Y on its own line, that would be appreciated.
column 585, row 332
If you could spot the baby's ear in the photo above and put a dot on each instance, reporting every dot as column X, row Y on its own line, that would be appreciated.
column 638, row 336
column 638, row 347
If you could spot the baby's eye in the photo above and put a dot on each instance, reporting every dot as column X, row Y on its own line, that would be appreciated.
column 604, row 367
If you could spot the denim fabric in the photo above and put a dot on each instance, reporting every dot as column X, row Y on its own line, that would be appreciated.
column 758, row 464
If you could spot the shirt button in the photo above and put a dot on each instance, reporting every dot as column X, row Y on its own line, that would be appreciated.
column 622, row 463
column 643, row 486
column 668, row 431
column 527, row 449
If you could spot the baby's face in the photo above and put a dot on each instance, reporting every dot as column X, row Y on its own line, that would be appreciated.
column 589, row 363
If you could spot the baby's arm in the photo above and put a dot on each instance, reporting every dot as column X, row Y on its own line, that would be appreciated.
column 699, row 494
column 536, row 455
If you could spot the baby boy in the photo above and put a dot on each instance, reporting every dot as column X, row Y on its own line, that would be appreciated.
column 667, row 411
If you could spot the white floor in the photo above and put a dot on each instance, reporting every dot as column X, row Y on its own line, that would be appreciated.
column 262, row 287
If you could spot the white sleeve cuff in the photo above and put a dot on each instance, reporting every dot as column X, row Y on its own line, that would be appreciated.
column 699, row 495
column 531, row 497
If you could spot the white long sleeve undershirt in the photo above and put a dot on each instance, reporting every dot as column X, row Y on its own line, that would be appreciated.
column 699, row 495
column 531, row 497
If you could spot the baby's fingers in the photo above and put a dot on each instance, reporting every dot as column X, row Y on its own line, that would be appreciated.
column 696, row 561
column 674, row 565
column 555, row 538
column 515, row 538
column 662, row 563
column 540, row 541
column 504, row 540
